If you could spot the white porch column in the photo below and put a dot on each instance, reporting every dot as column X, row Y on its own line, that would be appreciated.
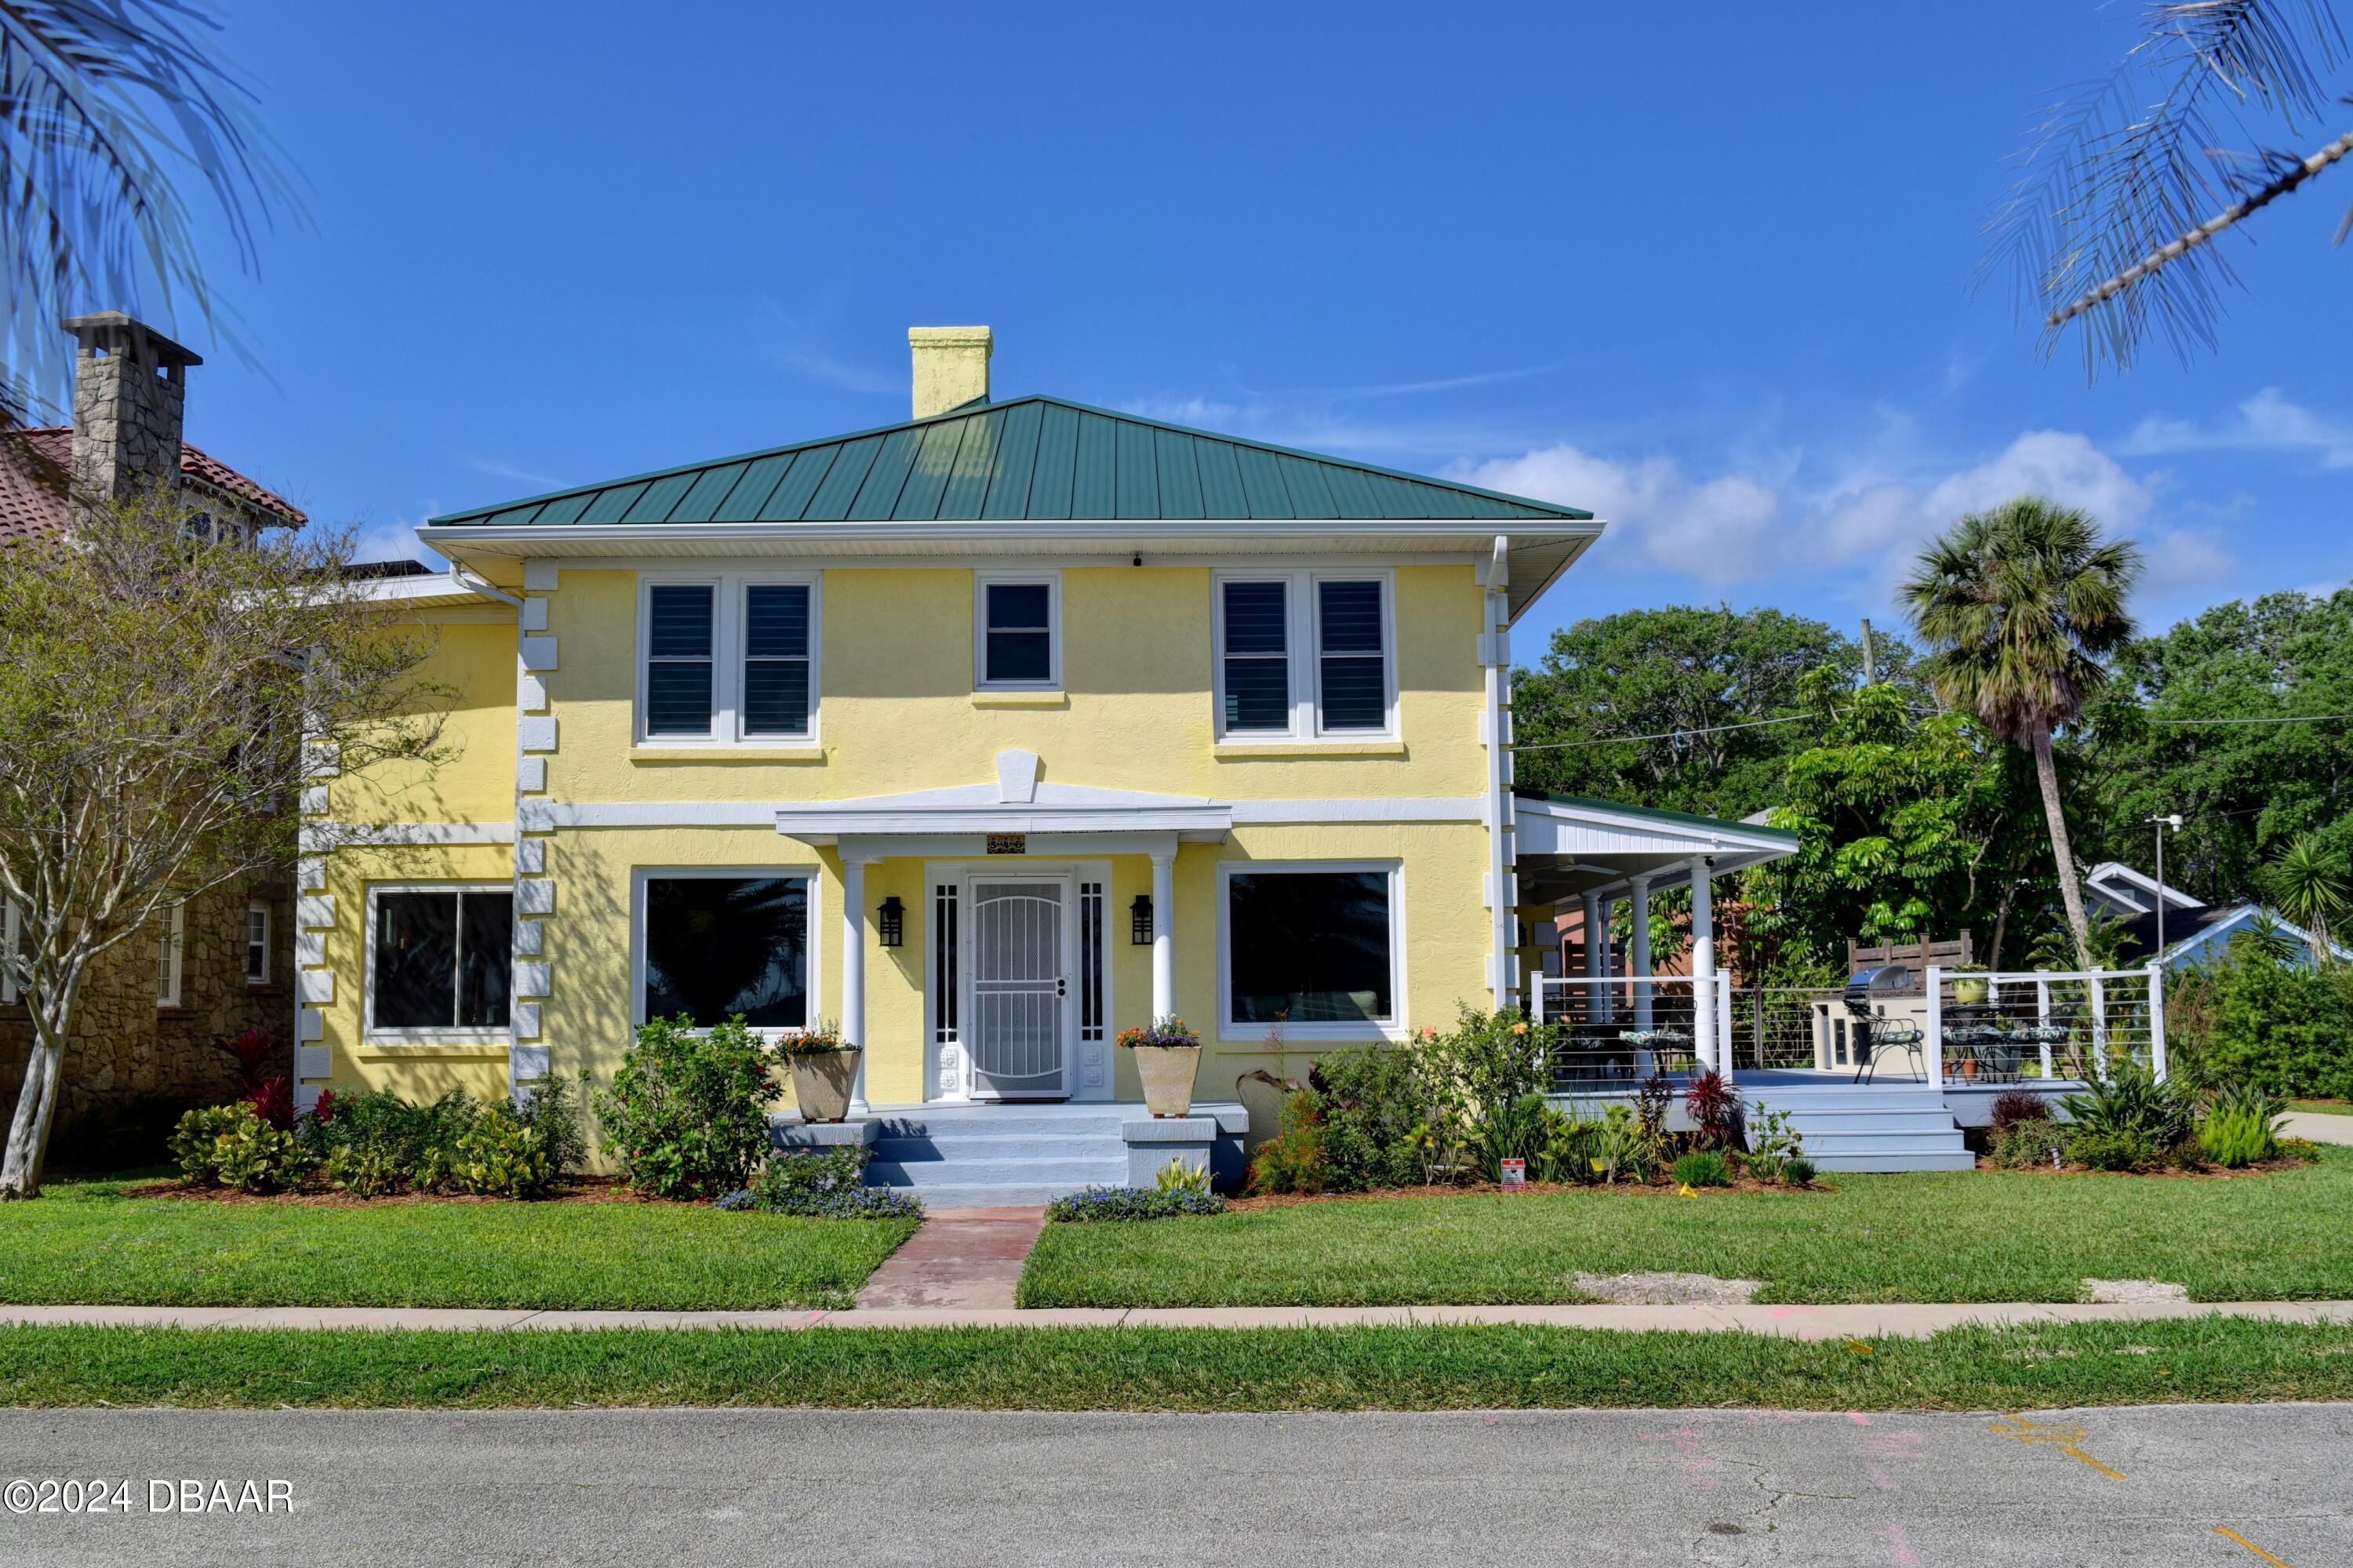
column 1589, row 1003
column 1703, row 965
column 853, row 962
column 1640, row 964
column 1163, row 932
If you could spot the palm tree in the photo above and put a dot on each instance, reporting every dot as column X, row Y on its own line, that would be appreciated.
column 2308, row 884
column 2127, row 181
column 96, row 97
column 2018, row 607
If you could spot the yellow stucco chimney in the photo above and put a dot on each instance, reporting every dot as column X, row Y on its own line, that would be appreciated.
column 951, row 367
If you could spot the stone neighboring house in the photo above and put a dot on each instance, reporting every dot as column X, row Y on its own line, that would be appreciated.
column 222, row 963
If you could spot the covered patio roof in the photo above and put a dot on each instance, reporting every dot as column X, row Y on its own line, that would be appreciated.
column 1568, row 848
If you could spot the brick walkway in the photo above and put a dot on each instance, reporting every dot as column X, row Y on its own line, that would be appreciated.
column 966, row 1259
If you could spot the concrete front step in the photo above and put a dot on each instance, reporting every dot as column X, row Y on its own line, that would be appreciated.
column 963, row 1195
column 963, row 1146
column 992, row 1121
column 1929, row 1121
column 1064, row 1175
column 1881, row 1142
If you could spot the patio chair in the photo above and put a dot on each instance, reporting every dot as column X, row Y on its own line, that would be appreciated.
column 1875, row 1036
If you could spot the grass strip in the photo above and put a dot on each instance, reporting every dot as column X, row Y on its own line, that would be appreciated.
column 1425, row 1368
column 1929, row 1236
column 84, row 1241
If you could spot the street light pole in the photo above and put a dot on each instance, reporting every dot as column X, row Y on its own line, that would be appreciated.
column 2173, row 821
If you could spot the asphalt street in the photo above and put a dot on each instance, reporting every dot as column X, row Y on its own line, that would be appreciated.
column 2236, row 1487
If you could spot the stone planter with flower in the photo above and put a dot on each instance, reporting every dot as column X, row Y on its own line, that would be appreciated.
column 825, row 1071
column 1168, row 1059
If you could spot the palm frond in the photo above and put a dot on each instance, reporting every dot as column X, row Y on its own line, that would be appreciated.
column 2112, row 177
column 97, row 99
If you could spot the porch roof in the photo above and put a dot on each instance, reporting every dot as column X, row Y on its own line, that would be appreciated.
column 1567, row 847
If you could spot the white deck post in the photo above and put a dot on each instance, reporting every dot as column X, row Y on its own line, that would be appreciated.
column 2157, row 1021
column 2099, row 1028
column 2042, row 1022
column 853, row 964
column 1724, row 1024
column 1641, row 960
column 1164, row 933
column 1702, row 963
column 1934, row 1045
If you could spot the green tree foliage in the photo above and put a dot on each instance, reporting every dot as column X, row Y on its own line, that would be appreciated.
column 2251, row 1018
column 2245, row 789
column 2020, row 606
column 1908, row 829
column 1677, row 674
column 2308, row 884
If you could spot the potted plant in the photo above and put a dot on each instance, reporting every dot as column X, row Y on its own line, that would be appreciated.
column 825, row 1071
column 1970, row 985
column 1167, row 1056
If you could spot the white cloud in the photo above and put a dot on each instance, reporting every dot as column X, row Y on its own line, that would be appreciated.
column 2265, row 422
column 1745, row 527
column 496, row 469
column 2185, row 561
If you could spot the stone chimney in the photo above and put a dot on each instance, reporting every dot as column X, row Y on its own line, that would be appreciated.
column 129, row 388
column 951, row 367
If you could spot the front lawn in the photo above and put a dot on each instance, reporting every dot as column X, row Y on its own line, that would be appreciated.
column 2038, row 1367
column 1951, row 1236
column 2322, row 1107
column 85, row 1242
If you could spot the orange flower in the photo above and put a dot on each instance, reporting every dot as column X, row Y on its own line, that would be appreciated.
column 1519, row 1029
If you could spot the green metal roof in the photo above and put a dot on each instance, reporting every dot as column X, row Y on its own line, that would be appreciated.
column 1033, row 456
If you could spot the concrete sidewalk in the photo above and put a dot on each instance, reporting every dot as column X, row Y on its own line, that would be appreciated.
column 1895, row 1320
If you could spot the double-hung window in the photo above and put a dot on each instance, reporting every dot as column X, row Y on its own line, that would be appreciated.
column 440, row 960
column 1304, row 655
column 169, row 942
column 1017, row 624
column 713, row 946
column 1312, row 946
column 256, row 944
column 728, row 660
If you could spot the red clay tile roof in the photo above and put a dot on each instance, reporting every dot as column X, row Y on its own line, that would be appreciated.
column 31, row 501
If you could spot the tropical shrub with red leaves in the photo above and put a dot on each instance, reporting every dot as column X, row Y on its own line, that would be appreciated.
column 255, row 1054
column 1714, row 1109
column 272, row 1100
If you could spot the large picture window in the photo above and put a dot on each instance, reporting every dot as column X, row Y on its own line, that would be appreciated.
column 1314, row 950
column 440, row 959
column 718, row 946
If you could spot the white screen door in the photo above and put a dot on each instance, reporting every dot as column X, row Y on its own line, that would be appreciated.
column 1020, row 989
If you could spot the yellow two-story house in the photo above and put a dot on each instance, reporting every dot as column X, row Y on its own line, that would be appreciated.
column 987, row 735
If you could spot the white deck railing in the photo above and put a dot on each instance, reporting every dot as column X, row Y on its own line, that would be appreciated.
column 2076, row 1022
column 1616, row 1029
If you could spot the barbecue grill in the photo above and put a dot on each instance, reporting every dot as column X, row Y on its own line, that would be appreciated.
column 1877, row 1035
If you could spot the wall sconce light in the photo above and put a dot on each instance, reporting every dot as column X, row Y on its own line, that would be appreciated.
column 1139, row 920
column 890, row 921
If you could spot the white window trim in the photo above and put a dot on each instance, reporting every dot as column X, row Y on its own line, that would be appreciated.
column 1303, row 631
column 814, row 985
column 454, row 1033
column 728, row 642
column 1394, row 1027
column 1051, row 581
column 268, row 931
column 172, row 955
column 12, row 933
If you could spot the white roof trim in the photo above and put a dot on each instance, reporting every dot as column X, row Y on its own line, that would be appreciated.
column 430, row 589
column 1583, row 830
column 2243, row 917
column 2112, row 870
column 983, row 809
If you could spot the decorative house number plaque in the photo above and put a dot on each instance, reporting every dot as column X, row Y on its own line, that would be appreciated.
column 1009, row 843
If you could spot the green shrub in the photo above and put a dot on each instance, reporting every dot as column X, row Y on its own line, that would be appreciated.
column 685, row 1115
column 2132, row 1104
column 1513, row 1129
column 366, row 1171
column 2253, row 1017
column 232, row 1146
column 2127, row 1150
column 2298, row 1149
column 376, row 1142
column 1293, row 1161
column 1569, row 1148
column 1115, row 1203
column 2232, row 1138
column 502, row 1156
column 1177, row 1176
column 1773, row 1141
column 822, row 1183
column 1375, row 1110
column 2031, row 1145
column 1704, row 1168
column 1797, row 1171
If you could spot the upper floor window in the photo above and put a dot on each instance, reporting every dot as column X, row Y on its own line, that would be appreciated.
column 256, row 944
column 168, row 945
column 1304, row 655
column 1019, row 625
column 727, row 659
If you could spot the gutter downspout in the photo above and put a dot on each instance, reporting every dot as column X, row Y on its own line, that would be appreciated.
column 1495, row 735
column 465, row 578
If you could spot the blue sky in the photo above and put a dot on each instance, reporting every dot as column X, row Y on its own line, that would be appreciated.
column 1705, row 269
